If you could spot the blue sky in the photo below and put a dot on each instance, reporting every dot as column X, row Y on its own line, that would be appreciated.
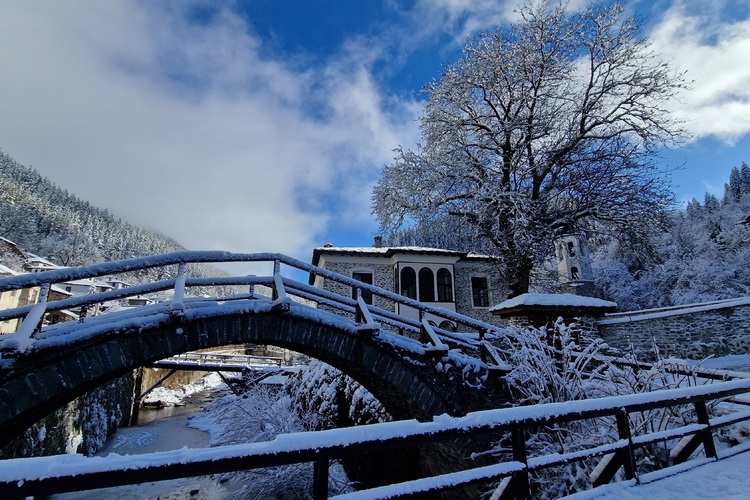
column 260, row 125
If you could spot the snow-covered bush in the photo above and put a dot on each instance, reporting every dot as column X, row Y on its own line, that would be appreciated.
column 549, row 366
column 328, row 399
column 259, row 414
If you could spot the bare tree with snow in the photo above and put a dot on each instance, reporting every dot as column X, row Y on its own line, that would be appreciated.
column 542, row 127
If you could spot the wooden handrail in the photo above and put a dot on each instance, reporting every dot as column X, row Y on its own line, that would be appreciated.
column 46, row 475
column 275, row 281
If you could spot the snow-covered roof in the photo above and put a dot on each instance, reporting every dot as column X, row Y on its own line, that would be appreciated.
column 7, row 270
column 61, row 291
column 111, row 280
column 540, row 301
column 88, row 282
column 666, row 312
column 34, row 259
column 390, row 251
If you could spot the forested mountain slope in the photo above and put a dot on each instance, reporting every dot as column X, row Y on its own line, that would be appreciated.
column 46, row 220
column 702, row 256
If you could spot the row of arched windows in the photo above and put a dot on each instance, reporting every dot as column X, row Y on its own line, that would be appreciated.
column 424, row 286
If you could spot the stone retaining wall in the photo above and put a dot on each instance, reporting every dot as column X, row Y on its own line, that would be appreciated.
column 81, row 426
column 694, row 332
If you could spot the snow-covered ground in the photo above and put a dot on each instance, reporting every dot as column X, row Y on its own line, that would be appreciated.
column 174, row 397
column 728, row 479
column 738, row 362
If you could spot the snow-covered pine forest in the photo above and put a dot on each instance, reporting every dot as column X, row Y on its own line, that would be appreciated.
column 702, row 255
column 48, row 221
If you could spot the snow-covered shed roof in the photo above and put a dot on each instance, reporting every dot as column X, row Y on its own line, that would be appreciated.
column 551, row 302
column 36, row 262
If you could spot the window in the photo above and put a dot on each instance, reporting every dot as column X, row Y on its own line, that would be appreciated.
column 409, row 283
column 448, row 325
column 426, row 285
column 364, row 277
column 480, row 292
column 444, row 285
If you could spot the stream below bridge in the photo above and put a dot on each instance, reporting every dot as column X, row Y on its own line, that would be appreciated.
column 161, row 429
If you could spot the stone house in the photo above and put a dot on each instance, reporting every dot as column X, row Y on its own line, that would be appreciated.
column 14, row 262
column 463, row 282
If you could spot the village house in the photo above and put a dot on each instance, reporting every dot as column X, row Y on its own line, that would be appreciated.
column 14, row 262
column 463, row 282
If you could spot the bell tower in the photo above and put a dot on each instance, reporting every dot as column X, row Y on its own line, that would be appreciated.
column 574, row 265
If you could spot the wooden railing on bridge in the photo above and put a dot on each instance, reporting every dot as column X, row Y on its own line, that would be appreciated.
column 437, row 340
column 47, row 475
column 215, row 361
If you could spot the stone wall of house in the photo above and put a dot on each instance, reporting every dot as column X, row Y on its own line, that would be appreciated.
column 382, row 276
column 463, row 272
column 692, row 332
column 497, row 284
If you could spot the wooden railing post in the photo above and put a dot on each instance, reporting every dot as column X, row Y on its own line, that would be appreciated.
column 179, row 283
column 611, row 463
column 177, row 308
column 365, row 323
column 520, row 482
column 43, row 298
column 701, row 413
column 281, row 303
column 359, row 316
column 623, row 430
column 320, row 479
column 687, row 445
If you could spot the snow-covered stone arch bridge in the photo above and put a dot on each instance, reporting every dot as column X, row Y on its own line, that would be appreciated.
column 414, row 369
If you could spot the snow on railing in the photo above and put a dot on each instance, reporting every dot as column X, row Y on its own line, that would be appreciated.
column 367, row 315
column 57, row 474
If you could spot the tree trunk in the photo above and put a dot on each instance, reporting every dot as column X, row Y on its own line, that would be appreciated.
column 519, row 275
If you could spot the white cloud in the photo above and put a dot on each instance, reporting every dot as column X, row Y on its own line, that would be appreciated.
column 714, row 52
column 465, row 18
column 186, row 127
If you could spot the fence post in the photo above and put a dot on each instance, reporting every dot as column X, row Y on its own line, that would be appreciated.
column 701, row 412
column 359, row 316
column 687, row 445
column 281, row 303
column 179, row 284
column 43, row 298
column 320, row 479
column 623, row 430
column 520, row 486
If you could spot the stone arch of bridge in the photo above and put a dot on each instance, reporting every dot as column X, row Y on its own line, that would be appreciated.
column 55, row 373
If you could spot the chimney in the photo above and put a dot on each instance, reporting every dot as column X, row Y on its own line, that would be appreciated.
column 378, row 242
